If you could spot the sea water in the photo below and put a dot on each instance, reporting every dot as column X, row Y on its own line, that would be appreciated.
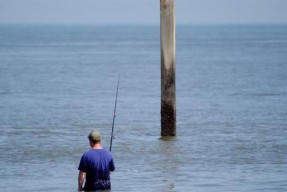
column 58, row 82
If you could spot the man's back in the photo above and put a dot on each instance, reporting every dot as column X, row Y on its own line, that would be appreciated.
column 97, row 164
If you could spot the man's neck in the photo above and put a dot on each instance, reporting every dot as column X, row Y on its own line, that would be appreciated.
column 97, row 146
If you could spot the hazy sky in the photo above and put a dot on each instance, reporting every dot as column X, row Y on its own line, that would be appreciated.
column 142, row 11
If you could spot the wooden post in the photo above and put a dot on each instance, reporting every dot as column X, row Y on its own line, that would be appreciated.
column 168, row 101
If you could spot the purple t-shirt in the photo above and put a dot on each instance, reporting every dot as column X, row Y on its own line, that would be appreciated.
column 97, row 164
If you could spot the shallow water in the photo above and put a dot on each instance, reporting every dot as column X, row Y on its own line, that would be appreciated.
column 57, row 83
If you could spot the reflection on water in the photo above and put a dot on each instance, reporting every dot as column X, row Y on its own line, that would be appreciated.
column 170, row 169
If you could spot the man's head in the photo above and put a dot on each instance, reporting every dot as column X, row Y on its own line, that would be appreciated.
column 95, row 137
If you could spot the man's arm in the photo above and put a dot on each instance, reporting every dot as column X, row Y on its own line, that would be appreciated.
column 81, row 179
column 112, row 165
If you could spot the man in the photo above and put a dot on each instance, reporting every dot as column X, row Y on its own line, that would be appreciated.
column 95, row 166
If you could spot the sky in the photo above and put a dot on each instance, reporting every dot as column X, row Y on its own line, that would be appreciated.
column 143, row 11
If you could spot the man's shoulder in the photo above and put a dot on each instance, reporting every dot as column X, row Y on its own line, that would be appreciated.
column 105, row 153
column 98, row 151
column 87, row 153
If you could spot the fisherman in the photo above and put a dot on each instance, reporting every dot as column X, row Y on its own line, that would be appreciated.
column 95, row 166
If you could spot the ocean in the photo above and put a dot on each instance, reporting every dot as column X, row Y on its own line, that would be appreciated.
column 58, row 82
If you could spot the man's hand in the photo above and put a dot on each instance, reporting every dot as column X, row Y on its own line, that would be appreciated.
column 81, row 179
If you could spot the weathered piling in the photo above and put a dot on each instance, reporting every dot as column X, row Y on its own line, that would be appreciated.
column 168, row 99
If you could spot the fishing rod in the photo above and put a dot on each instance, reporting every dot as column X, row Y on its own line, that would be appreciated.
column 114, row 117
